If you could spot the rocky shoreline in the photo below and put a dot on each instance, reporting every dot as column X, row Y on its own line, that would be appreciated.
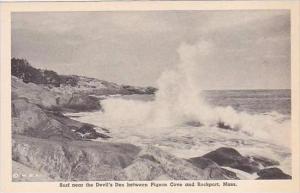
column 57, row 148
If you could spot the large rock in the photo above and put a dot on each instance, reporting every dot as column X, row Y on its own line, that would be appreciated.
column 231, row 158
column 154, row 164
column 31, row 120
column 35, row 94
column 79, row 102
column 88, row 132
column 265, row 162
column 74, row 160
column 216, row 172
column 86, row 160
column 272, row 173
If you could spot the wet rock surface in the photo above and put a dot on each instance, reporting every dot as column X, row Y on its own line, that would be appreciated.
column 272, row 173
column 264, row 161
column 230, row 157
column 88, row 132
column 216, row 172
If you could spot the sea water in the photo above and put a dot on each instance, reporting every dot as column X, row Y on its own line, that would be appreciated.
column 189, row 140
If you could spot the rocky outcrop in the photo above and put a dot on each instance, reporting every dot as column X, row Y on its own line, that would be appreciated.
column 22, row 173
column 53, row 99
column 74, row 160
column 272, row 173
column 79, row 102
column 22, row 69
column 57, row 148
column 86, row 160
column 229, row 157
column 265, row 162
column 216, row 172
column 88, row 132
column 31, row 120
column 154, row 164
column 34, row 94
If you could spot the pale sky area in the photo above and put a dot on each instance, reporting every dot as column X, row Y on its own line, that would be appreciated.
column 250, row 49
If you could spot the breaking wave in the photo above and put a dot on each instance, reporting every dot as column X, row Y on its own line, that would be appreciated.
column 179, row 102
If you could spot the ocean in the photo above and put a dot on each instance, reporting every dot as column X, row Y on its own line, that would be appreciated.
column 187, row 125
column 252, row 101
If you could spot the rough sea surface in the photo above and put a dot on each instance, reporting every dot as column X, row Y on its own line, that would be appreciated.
column 259, row 124
column 253, row 101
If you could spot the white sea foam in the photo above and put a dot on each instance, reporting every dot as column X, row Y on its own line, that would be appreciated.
column 179, row 101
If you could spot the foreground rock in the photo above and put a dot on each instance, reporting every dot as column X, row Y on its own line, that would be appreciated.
column 22, row 173
column 86, row 160
column 216, row 172
column 74, row 160
column 272, row 173
column 265, row 162
column 155, row 164
column 229, row 157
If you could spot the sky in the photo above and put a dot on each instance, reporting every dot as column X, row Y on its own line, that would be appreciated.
column 249, row 49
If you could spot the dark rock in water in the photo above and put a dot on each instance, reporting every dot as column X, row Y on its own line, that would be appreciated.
column 272, row 173
column 223, row 125
column 127, row 89
column 265, row 161
column 224, row 156
column 81, row 102
column 105, row 130
column 216, row 172
column 231, row 158
column 88, row 132
column 150, row 90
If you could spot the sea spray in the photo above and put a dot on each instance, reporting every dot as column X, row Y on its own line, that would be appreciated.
column 179, row 101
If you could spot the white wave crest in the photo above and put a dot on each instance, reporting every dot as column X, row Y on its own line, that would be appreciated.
column 179, row 101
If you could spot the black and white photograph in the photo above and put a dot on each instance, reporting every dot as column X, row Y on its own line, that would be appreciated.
column 151, row 95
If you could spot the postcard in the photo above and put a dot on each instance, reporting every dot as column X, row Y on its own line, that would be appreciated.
column 150, row 96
